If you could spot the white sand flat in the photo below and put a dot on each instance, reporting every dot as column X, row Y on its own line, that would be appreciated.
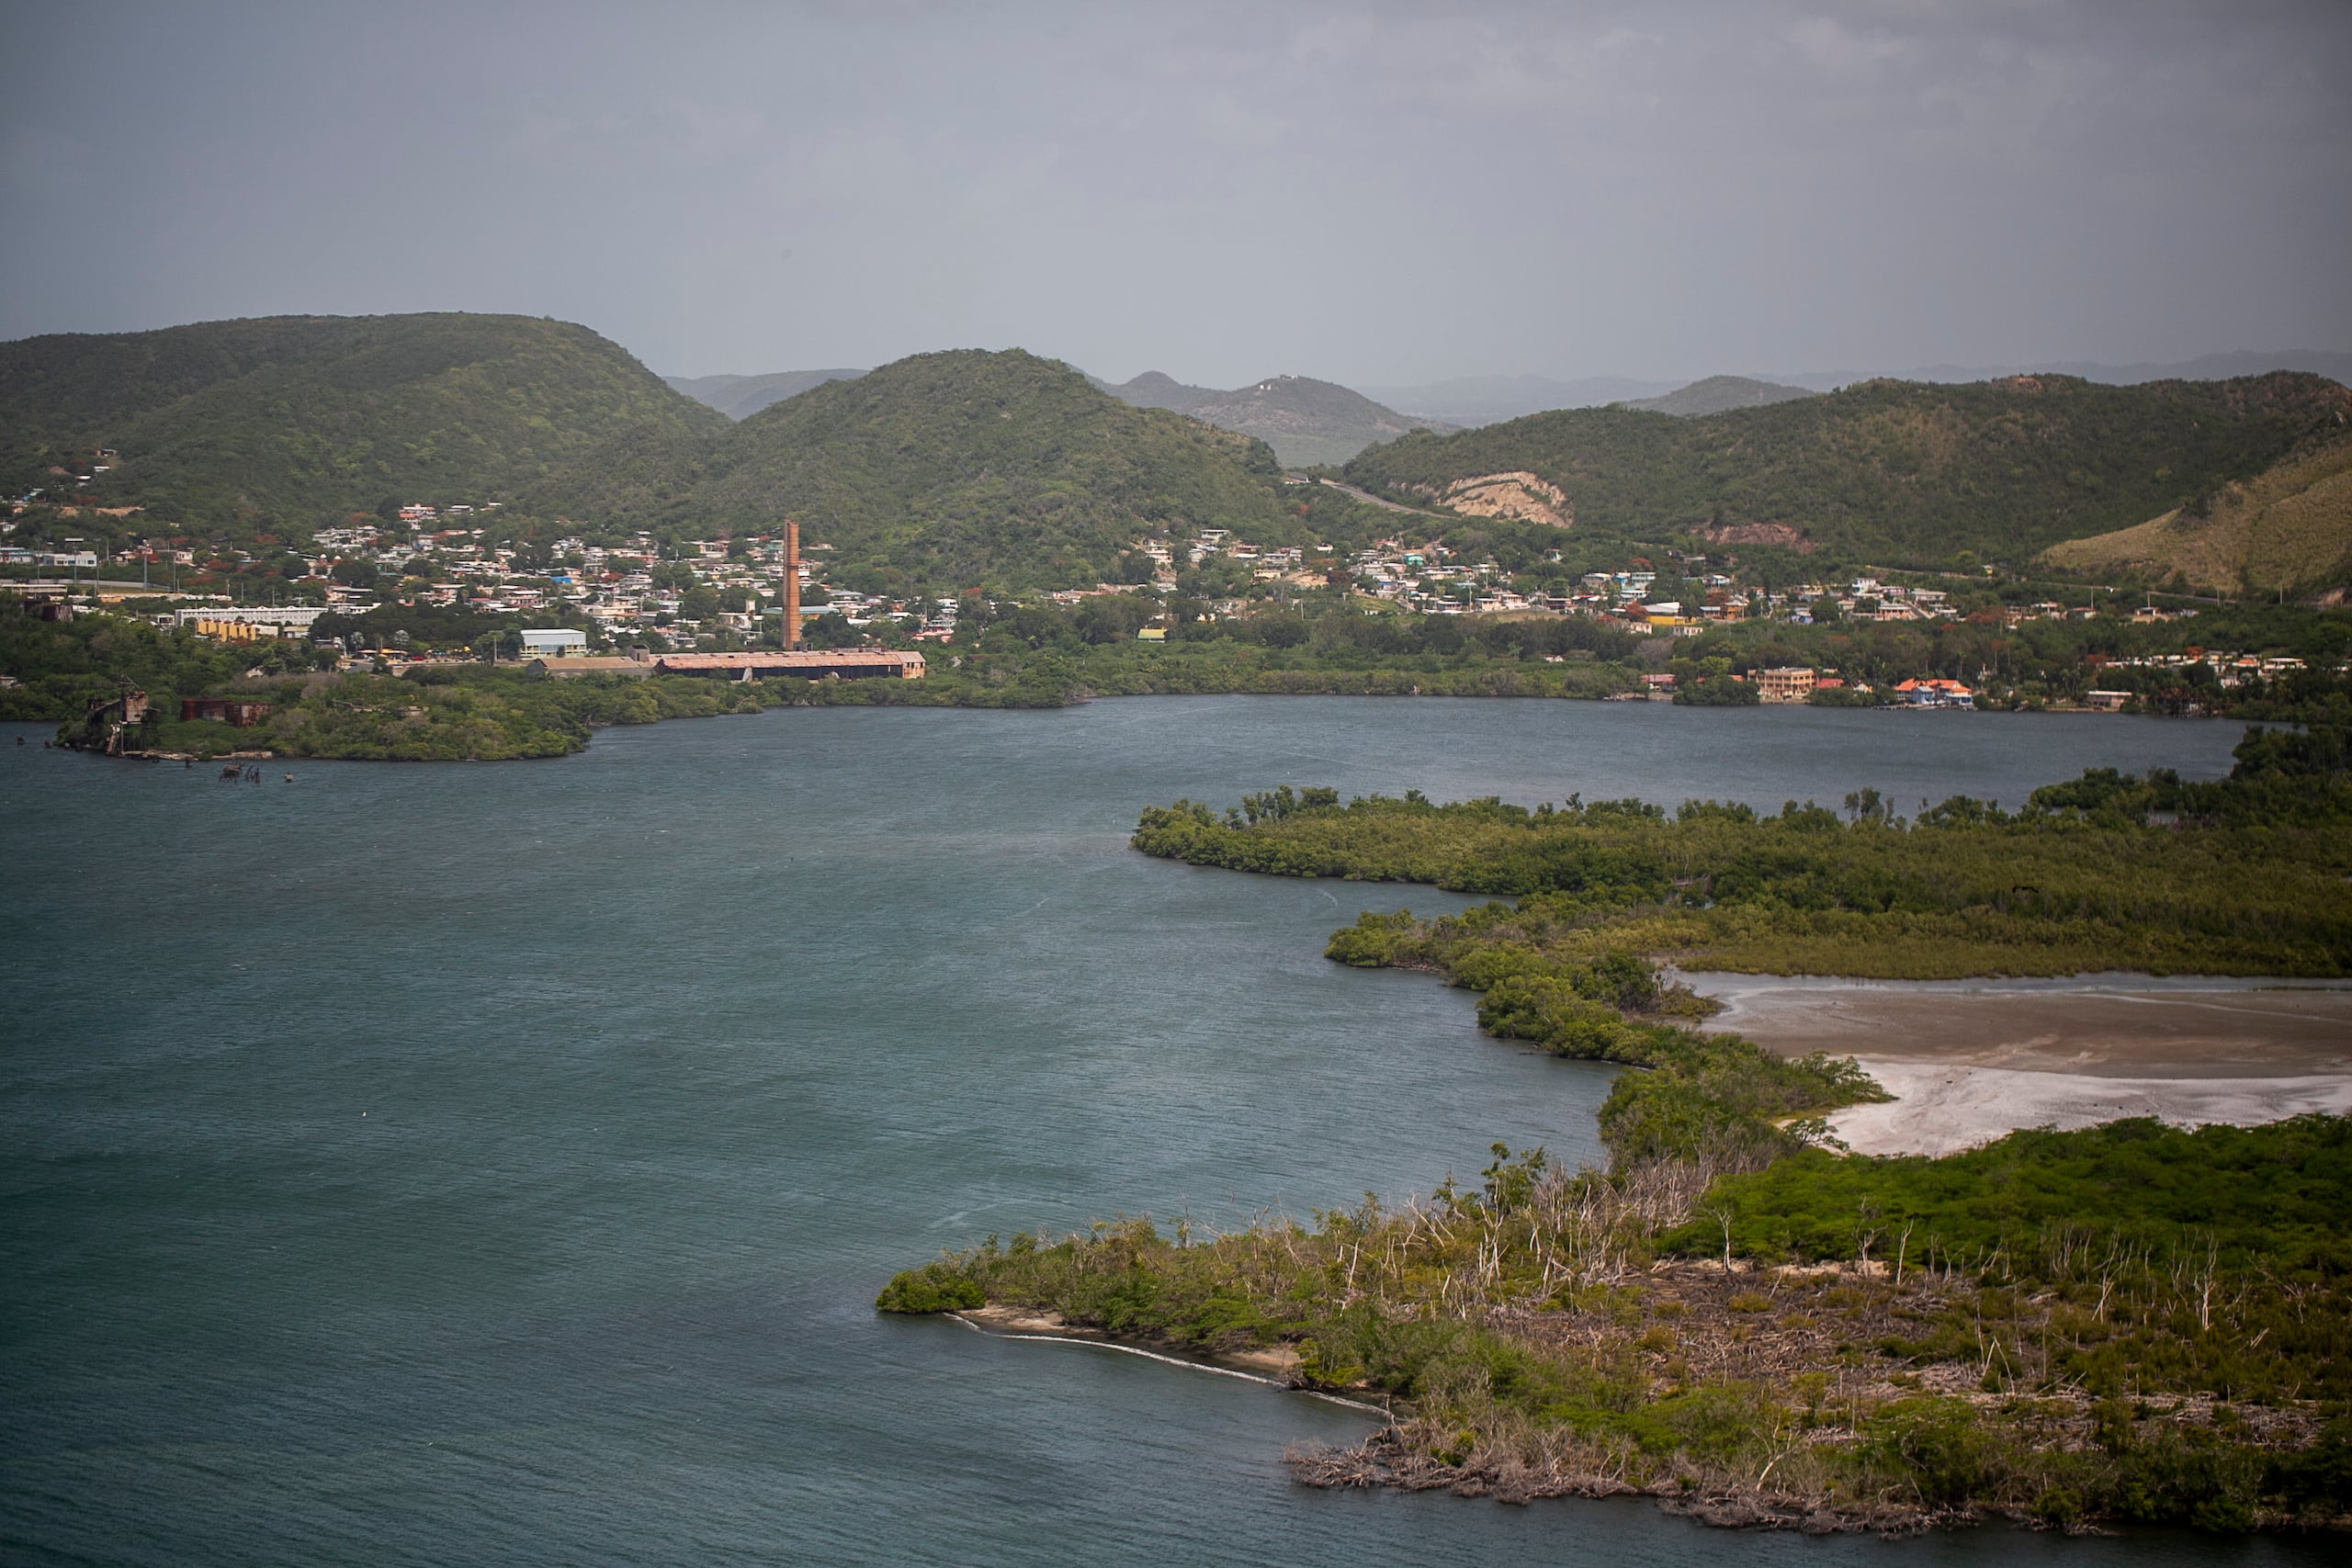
column 1942, row 1107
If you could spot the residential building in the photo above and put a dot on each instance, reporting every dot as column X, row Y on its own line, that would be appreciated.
column 1935, row 695
column 556, row 642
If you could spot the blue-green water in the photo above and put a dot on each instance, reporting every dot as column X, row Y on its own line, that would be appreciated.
column 495, row 1163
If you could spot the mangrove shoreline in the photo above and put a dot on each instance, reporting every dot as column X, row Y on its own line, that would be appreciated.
column 2123, row 1324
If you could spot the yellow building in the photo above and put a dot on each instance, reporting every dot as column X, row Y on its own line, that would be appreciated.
column 1789, row 684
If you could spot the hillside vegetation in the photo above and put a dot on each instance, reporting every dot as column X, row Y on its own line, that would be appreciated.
column 951, row 471
column 949, row 468
column 2288, row 528
column 296, row 419
column 2074, row 882
column 1893, row 470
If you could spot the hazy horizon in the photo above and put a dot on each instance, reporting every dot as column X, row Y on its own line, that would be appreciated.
column 1379, row 196
column 1798, row 377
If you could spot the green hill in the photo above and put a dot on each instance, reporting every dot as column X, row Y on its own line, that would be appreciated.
column 296, row 419
column 952, row 470
column 947, row 469
column 1718, row 393
column 1898, row 471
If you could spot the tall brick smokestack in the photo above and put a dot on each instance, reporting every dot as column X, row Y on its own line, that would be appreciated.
column 791, row 586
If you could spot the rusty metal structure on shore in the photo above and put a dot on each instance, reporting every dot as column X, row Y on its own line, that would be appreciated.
column 106, row 719
column 236, row 712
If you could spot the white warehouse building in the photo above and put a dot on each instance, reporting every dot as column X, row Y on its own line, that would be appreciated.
column 559, row 642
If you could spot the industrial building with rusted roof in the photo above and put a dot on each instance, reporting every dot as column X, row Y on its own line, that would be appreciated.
column 849, row 663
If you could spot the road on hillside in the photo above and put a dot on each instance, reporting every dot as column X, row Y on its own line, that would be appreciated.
column 1381, row 502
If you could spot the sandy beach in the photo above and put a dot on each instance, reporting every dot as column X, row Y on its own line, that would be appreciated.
column 1969, row 1061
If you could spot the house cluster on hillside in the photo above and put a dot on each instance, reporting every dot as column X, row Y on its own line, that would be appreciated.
column 1864, row 599
column 1299, row 566
column 1436, row 580
column 1431, row 579
column 437, row 556
column 2229, row 670
column 441, row 555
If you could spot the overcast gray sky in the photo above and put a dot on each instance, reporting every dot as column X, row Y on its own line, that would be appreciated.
column 1372, row 194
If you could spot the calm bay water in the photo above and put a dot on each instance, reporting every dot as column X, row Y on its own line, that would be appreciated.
column 496, row 1162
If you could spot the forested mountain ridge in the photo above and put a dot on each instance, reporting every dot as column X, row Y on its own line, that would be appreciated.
column 953, row 468
column 299, row 418
column 1903, row 471
column 1305, row 422
column 962, row 468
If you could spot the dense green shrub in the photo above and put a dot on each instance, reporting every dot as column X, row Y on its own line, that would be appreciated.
column 934, row 1287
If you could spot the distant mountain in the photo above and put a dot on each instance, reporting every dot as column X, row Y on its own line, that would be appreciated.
column 951, row 470
column 1886, row 470
column 1716, row 394
column 740, row 396
column 2288, row 528
column 297, row 419
column 1483, row 400
column 2336, row 368
column 1305, row 422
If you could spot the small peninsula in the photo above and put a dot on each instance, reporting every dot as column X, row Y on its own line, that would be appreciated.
column 2124, row 1323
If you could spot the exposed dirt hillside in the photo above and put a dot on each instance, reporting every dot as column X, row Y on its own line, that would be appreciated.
column 2289, row 528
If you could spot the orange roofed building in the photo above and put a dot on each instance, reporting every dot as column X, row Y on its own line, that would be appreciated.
column 1935, row 695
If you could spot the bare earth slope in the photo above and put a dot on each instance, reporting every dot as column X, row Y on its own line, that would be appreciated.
column 1968, row 1062
column 2289, row 528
